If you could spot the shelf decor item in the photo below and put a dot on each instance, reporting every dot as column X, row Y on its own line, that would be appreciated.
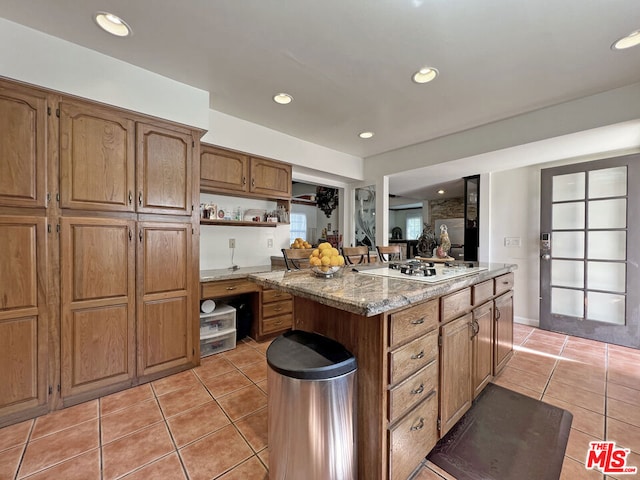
column 445, row 243
column 327, row 200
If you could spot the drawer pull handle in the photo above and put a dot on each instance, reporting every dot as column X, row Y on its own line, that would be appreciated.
column 505, row 283
column 418, row 390
column 278, row 323
column 418, row 356
column 419, row 426
column 231, row 288
column 497, row 313
column 420, row 321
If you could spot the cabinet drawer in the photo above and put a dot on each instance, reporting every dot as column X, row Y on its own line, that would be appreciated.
column 270, row 295
column 482, row 292
column 413, row 390
column 414, row 355
column 455, row 304
column 277, row 308
column 503, row 283
column 276, row 324
column 413, row 438
column 413, row 322
column 227, row 288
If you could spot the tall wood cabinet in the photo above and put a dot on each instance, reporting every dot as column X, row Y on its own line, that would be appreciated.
column 24, row 250
column 98, row 249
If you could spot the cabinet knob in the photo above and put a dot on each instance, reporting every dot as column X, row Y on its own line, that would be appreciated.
column 419, row 426
column 418, row 355
column 253, row 182
column 140, row 198
column 130, row 197
column 244, row 180
column 497, row 313
column 231, row 288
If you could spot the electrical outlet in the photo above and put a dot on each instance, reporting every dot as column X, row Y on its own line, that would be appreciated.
column 269, row 242
column 232, row 243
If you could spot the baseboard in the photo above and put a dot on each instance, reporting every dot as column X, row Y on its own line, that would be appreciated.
column 532, row 322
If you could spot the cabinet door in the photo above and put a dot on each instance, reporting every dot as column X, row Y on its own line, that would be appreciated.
column 223, row 171
column 272, row 179
column 164, row 168
column 97, row 158
column 503, row 334
column 97, row 258
column 482, row 349
column 23, row 316
column 23, row 146
column 165, row 296
column 455, row 371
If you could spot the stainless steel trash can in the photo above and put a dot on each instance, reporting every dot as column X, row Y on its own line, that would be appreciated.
column 311, row 408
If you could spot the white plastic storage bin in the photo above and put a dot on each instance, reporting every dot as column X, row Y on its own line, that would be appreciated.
column 217, row 330
column 221, row 320
column 217, row 344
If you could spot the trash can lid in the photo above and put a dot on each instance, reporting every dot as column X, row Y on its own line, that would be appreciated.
column 309, row 356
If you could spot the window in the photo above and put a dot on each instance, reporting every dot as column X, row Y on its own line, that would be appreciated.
column 414, row 226
column 298, row 226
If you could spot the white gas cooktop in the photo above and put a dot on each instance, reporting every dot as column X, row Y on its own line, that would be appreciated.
column 442, row 273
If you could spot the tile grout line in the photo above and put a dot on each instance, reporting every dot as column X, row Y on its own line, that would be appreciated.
column 24, row 450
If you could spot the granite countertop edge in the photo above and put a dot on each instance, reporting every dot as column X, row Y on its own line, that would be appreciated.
column 369, row 295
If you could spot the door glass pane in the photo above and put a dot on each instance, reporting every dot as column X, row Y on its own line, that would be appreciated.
column 567, row 302
column 567, row 216
column 567, row 273
column 608, row 213
column 606, row 307
column 568, row 244
column 608, row 182
column 606, row 276
column 607, row 245
column 568, row 187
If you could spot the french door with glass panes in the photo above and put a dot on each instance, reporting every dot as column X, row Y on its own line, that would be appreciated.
column 589, row 260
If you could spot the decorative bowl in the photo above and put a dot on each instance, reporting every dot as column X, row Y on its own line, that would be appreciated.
column 327, row 272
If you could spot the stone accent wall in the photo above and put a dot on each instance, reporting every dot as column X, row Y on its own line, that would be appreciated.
column 446, row 208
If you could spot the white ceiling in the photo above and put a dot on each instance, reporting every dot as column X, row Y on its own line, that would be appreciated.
column 348, row 64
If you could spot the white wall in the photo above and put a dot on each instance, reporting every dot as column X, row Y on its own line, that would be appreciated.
column 40, row 59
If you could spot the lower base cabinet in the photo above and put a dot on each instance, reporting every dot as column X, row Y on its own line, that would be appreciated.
column 455, row 371
column 503, row 331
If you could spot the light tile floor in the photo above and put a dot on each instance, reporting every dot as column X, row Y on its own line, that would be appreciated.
column 211, row 422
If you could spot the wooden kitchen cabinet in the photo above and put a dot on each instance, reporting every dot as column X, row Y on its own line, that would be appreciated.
column 230, row 172
column 165, row 325
column 164, row 169
column 482, row 347
column 223, row 170
column 97, row 158
column 455, row 371
column 23, row 146
column 24, row 328
column 503, row 330
column 110, row 162
column 270, row 178
column 276, row 314
column 98, row 305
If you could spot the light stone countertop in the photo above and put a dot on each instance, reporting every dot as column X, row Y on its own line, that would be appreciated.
column 369, row 295
column 228, row 274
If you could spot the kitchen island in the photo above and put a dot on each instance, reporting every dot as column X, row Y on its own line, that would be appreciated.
column 424, row 350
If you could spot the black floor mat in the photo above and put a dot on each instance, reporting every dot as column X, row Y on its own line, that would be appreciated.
column 505, row 435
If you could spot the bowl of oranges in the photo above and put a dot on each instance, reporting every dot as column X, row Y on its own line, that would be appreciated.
column 326, row 261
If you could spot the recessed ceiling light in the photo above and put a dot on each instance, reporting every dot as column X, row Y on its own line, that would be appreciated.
column 425, row 75
column 283, row 98
column 112, row 24
column 441, row 192
column 365, row 134
column 629, row 41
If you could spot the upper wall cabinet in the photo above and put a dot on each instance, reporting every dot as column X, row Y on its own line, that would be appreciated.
column 23, row 141
column 228, row 172
column 97, row 158
column 164, row 169
column 109, row 162
column 223, row 171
